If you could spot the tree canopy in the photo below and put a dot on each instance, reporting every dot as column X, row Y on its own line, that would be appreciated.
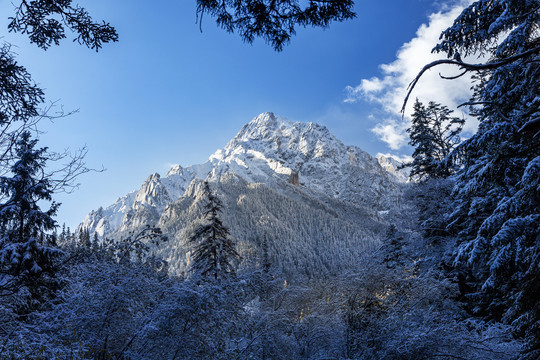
column 273, row 20
column 45, row 23
column 214, row 254
column 496, row 201
column 433, row 133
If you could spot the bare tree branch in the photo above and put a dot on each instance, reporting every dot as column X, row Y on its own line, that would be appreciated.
column 466, row 67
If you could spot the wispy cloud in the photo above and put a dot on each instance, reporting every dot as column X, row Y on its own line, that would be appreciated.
column 389, row 90
column 401, row 159
column 392, row 132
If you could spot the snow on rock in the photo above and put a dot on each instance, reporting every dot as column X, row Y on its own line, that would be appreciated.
column 152, row 193
column 104, row 221
column 272, row 169
column 307, row 154
column 391, row 165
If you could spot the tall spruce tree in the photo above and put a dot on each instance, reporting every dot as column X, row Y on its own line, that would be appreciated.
column 214, row 254
column 433, row 133
column 26, row 260
column 84, row 238
column 497, row 195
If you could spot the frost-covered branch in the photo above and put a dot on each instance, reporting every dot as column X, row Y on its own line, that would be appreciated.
column 466, row 67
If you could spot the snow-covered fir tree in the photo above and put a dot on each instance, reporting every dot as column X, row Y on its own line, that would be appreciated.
column 84, row 238
column 214, row 254
column 497, row 199
column 26, row 258
column 434, row 133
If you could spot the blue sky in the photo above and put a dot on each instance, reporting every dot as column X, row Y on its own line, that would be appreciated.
column 167, row 93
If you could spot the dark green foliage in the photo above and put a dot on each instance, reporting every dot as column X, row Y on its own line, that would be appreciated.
column 496, row 207
column 433, row 134
column 214, row 254
column 272, row 20
column 20, row 99
column 45, row 21
column 135, row 247
column 84, row 238
column 26, row 259
column 19, row 95
column 476, row 29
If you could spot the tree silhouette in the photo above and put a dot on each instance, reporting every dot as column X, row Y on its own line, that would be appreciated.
column 272, row 20
column 214, row 254
column 25, row 257
column 433, row 133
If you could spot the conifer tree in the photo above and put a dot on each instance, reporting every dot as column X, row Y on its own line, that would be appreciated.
column 25, row 257
column 95, row 241
column 84, row 238
column 274, row 21
column 496, row 207
column 62, row 236
column 214, row 254
column 433, row 133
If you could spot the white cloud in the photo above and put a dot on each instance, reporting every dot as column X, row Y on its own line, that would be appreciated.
column 389, row 90
column 399, row 158
column 392, row 132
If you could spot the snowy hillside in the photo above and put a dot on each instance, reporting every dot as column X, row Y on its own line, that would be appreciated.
column 313, row 198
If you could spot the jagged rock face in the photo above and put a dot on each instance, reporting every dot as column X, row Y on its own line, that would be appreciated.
column 152, row 194
column 147, row 205
column 393, row 166
column 105, row 221
column 311, row 196
column 268, row 148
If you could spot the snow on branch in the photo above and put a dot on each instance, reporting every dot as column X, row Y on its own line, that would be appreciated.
column 466, row 67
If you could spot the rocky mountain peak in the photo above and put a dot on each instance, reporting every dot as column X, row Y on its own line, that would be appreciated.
column 262, row 128
column 272, row 148
column 269, row 152
column 152, row 193
column 279, row 140
column 175, row 170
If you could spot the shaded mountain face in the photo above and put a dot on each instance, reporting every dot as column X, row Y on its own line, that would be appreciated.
column 394, row 167
column 315, row 202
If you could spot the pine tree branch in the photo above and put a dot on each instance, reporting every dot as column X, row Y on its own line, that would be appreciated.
column 472, row 103
column 531, row 126
column 466, row 67
column 453, row 77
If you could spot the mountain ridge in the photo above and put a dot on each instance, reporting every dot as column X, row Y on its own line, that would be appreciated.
column 302, row 165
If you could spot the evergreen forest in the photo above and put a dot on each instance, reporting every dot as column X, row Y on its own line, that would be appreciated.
column 456, row 275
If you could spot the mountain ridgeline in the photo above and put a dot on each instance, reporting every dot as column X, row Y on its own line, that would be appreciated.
column 316, row 204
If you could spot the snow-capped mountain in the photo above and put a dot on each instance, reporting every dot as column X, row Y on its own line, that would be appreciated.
column 314, row 199
column 307, row 154
column 393, row 166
